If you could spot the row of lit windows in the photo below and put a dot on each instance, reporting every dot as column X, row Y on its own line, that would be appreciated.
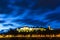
column 27, row 29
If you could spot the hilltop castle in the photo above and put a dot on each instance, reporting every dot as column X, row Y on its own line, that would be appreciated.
column 27, row 29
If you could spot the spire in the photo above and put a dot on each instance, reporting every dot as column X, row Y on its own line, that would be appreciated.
column 49, row 27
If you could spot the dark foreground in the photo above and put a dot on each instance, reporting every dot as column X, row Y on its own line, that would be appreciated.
column 30, row 38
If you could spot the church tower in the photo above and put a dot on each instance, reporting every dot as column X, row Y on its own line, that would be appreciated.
column 49, row 27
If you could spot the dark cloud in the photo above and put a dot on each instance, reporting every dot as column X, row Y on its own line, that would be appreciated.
column 38, row 7
column 30, row 12
column 2, row 21
column 5, row 11
column 50, row 4
column 23, row 4
column 3, row 3
column 31, row 22
column 4, row 7
column 53, row 17
column 7, row 24
column 20, row 12
column 36, row 4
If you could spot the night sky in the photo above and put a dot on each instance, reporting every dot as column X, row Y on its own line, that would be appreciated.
column 17, row 13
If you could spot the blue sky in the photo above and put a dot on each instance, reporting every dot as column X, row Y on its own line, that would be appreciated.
column 16, row 13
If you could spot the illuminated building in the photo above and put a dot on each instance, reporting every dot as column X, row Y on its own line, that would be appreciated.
column 27, row 29
column 42, row 29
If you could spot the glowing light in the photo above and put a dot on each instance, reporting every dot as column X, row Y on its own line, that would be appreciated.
column 28, row 35
column 30, row 29
column 42, row 29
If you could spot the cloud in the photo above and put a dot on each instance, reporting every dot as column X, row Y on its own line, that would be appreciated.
column 16, row 13
column 31, row 22
column 53, row 17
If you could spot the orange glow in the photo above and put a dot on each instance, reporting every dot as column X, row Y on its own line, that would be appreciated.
column 28, row 35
